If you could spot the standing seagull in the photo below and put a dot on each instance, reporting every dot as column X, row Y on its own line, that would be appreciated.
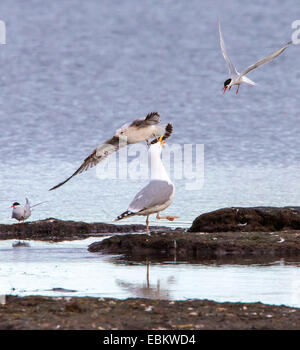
column 159, row 193
column 143, row 129
column 237, row 78
column 22, row 213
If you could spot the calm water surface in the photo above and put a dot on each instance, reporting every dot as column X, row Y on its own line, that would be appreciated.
column 61, row 269
column 73, row 72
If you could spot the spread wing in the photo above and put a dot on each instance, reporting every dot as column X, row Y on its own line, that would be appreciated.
column 266, row 59
column 151, row 119
column 231, row 68
column 98, row 155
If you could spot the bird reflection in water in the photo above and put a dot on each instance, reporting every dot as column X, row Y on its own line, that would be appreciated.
column 145, row 289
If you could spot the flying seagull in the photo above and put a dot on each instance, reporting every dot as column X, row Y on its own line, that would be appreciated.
column 237, row 78
column 143, row 129
column 159, row 193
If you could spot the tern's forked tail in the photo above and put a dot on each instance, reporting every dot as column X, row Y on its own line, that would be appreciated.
column 248, row 81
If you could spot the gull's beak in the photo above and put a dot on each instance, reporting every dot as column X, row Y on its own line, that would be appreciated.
column 162, row 143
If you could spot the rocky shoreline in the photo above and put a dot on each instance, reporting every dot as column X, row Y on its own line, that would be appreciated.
column 239, row 233
column 35, row 312
column 55, row 230
column 244, row 232
column 187, row 245
column 255, row 219
column 260, row 231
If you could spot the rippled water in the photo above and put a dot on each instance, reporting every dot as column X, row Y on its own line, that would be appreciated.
column 61, row 269
column 73, row 72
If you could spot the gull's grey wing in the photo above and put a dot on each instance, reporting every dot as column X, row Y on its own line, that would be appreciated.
column 99, row 154
column 232, row 71
column 266, row 59
column 157, row 192
column 151, row 119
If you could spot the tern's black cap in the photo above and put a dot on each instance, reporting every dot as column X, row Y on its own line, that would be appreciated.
column 227, row 82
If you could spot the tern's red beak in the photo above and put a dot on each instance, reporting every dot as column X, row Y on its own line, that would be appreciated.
column 225, row 88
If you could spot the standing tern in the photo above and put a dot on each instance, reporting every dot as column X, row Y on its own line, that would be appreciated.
column 143, row 129
column 237, row 78
column 159, row 193
column 22, row 213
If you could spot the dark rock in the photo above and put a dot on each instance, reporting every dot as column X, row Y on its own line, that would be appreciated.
column 73, row 306
column 62, row 290
column 261, row 231
column 20, row 244
column 263, row 219
column 188, row 245
column 57, row 230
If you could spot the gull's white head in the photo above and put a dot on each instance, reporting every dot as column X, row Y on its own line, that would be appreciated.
column 156, row 148
column 122, row 131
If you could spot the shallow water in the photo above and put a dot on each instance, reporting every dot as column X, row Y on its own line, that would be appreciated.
column 60, row 269
column 73, row 72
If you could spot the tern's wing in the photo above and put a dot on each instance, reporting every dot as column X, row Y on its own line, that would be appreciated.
column 99, row 154
column 231, row 68
column 266, row 59
column 27, row 211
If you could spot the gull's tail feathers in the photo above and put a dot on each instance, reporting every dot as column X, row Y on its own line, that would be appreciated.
column 125, row 215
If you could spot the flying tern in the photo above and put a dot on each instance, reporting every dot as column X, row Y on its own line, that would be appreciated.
column 237, row 78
